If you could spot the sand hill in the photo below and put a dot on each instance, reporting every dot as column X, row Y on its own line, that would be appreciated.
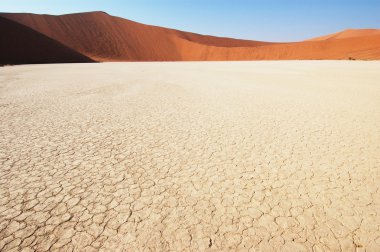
column 103, row 37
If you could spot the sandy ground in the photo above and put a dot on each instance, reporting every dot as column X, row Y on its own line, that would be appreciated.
column 190, row 156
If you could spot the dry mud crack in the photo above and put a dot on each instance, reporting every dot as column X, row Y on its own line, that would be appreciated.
column 260, row 156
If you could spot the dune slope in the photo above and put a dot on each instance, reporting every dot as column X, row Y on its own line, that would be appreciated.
column 107, row 38
column 103, row 37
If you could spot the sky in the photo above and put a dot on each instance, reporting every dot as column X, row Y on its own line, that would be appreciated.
column 265, row 20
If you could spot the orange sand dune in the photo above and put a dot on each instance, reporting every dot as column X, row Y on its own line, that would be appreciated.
column 103, row 37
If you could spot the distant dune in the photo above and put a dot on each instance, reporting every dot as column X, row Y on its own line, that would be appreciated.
column 350, row 33
column 102, row 37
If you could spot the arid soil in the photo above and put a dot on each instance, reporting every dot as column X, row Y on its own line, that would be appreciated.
column 104, row 38
column 266, row 156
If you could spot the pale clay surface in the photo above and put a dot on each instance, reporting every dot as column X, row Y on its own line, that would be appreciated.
column 260, row 156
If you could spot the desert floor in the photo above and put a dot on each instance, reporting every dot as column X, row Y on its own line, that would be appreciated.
column 190, row 156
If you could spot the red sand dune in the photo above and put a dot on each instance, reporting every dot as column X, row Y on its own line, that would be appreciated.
column 107, row 38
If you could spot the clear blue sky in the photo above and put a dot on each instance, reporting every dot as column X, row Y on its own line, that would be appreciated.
column 268, row 20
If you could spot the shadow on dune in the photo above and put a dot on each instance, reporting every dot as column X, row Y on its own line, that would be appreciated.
column 22, row 45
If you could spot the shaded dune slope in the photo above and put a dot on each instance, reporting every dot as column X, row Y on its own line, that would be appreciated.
column 107, row 38
column 22, row 45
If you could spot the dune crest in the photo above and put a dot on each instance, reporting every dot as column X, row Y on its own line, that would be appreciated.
column 103, row 37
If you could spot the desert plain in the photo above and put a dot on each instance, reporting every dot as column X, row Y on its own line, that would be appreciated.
column 190, row 156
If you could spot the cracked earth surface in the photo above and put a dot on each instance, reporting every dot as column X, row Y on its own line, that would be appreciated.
column 260, row 156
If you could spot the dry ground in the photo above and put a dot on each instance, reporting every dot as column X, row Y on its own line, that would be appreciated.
column 190, row 156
